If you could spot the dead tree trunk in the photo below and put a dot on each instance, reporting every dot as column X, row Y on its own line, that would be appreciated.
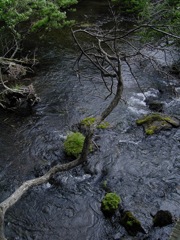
column 109, row 67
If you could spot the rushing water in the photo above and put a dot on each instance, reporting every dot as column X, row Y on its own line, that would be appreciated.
column 143, row 170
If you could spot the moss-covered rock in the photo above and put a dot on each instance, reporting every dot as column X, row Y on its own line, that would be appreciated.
column 130, row 223
column 162, row 218
column 87, row 122
column 73, row 144
column 155, row 122
column 110, row 203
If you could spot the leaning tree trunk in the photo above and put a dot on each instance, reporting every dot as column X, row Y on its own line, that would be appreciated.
column 113, row 72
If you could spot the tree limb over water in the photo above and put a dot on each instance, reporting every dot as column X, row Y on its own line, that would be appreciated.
column 114, row 72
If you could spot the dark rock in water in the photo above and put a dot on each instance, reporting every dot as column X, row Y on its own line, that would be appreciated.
column 155, row 122
column 131, row 224
column 156, row 106
column 162, row 218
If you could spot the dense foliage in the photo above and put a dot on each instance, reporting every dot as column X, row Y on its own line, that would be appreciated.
column 162, row 15
column 34, row 15
column 131, row 7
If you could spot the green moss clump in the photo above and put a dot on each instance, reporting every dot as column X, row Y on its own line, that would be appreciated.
column 150, row 118
column 110, row 203
column 150, row 131
column 131, row 224
column 88, row 121
column 103, row 125
column 73, row 144
column 91, row 120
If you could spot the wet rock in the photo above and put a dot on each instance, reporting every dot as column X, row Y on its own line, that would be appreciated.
column 131, row 224
column 156, row 122
column 110, row 204
column 162, row 218
column 156, row 126
column 156, row 106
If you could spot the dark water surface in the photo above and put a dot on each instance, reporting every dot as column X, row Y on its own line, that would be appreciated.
column 143, row 170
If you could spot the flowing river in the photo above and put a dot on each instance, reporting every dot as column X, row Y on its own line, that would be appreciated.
column 143, row 170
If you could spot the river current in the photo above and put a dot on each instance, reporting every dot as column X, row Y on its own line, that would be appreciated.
column 143, row 170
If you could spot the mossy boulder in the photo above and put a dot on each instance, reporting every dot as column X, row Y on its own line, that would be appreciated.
column 130, row 223
column 87, row 122
column 162, row 218
column 74, row 143
column 155, row 122
column 110, row 203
